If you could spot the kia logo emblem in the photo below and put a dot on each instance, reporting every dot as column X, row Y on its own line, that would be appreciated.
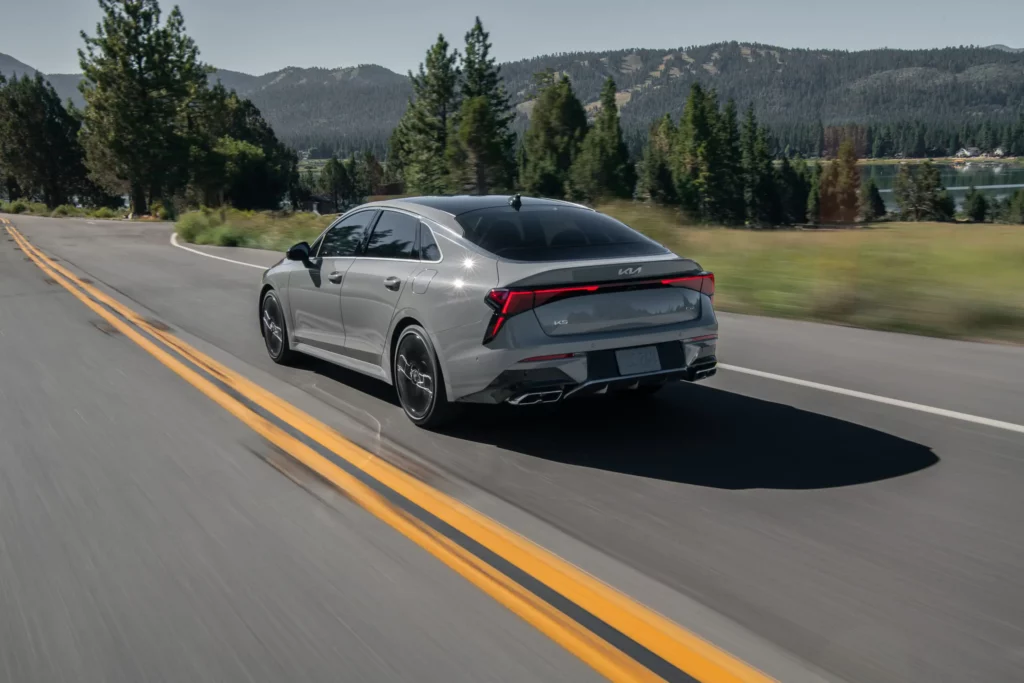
column 629, row 271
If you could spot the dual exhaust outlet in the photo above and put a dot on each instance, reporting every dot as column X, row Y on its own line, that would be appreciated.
column 536, row 397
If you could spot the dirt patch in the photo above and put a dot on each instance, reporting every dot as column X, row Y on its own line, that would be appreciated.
column 105, row 327
column 157, row 324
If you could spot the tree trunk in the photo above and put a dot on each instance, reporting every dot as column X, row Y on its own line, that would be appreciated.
column 139, row 207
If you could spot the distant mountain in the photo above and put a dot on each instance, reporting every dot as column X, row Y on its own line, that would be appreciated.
column 9, row 66
column 355, row 107
column 1004, row 48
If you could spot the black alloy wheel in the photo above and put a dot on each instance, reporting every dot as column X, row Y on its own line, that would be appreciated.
column 418, row 380
column 275, row 331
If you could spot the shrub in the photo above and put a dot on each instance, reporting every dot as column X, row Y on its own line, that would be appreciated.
column 17, row 206
column 158, row 210
column 65, row 210
column 103, row 212
column 193, row 224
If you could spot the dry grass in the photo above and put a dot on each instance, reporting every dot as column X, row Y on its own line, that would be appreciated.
column 259, row 230
column 940, row 279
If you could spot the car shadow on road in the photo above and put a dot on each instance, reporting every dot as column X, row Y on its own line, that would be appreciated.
column 703, row 436
column 350, row 378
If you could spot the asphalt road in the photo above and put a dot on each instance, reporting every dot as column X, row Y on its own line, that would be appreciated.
column 143, row 536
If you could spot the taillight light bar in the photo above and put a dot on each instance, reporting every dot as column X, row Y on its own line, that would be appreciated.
column 509, row 302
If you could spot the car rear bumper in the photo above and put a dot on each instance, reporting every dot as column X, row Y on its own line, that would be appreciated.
column 497, row 372
column 680, row 361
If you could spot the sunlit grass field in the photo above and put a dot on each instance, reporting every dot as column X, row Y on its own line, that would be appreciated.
column 940, row 279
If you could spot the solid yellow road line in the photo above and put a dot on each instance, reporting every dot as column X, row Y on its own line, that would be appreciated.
column 593, row 650
column 661, row 636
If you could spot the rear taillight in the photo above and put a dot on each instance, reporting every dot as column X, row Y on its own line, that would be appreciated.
column 509, row 302
column 703, row 283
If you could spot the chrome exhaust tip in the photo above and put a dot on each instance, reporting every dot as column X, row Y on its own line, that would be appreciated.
column 535, row 397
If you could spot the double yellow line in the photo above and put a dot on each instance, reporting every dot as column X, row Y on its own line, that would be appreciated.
column 617, row 636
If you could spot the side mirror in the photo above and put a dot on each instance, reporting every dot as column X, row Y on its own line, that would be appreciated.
column 299, row 252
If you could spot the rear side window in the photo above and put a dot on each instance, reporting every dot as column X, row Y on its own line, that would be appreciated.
column 553, row 233
column 346, row 236
column 394, row 236
column 429, row 250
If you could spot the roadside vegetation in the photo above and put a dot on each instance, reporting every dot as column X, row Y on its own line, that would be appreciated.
column 258, row 230
column 938, row 279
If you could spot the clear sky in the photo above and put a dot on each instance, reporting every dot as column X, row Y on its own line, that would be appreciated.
column 257, row 36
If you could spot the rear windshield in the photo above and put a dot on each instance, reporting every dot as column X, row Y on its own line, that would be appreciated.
column 553, row 233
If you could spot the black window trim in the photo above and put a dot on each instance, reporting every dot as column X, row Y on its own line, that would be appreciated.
column 353, row 212
column 419, row 243
column 416, row 249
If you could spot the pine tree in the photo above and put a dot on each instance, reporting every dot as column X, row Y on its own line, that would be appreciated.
column 814, row 196
column 481, row 77
column 654, row 180
column 602, row 168
column 428, row 121
column 920, row 195
column 793, row 186
column 558, row 124
column 478, row 160
column 39, row 149
column 336, row 183
column 696, row 153
column 760, row 196
column 840, row 181
column 141, row 77
column 872, row 206
column 975, row 205
column 729, row 199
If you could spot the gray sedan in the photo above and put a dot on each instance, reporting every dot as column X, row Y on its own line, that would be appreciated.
column 491, row 299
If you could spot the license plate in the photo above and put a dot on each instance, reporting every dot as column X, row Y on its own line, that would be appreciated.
column 638, row 361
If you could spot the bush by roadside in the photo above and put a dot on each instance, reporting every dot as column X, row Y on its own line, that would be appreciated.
column 20, row 206
column 259, row 230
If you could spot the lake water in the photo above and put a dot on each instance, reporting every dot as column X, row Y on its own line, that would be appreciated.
column 994, row 179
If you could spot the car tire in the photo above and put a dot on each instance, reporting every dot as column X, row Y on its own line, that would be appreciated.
column 418, row 380
column 275, row 329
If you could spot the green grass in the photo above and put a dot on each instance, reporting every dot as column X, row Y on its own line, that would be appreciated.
column 20, row 206
column 63, row 211
column 938, row 279
column 258, row 230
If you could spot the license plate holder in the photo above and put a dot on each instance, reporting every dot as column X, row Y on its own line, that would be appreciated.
column 638, row 361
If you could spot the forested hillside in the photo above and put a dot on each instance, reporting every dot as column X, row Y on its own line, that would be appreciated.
column 794, row 91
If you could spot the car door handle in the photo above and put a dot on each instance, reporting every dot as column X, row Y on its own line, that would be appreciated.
column 335, row 277
column 392, row 283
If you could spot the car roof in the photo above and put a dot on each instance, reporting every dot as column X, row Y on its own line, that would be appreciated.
column 441, row 208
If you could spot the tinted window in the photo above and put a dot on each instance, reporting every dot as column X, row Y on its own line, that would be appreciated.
column 429, row 250
column 393, row 237
column 553, row 233
column 346, row 236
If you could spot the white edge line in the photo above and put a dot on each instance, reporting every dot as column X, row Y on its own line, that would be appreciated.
column 998, row 424
column 174, row 242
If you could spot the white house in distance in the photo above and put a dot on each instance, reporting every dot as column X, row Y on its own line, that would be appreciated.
column 968, row 153
column 999, row 152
